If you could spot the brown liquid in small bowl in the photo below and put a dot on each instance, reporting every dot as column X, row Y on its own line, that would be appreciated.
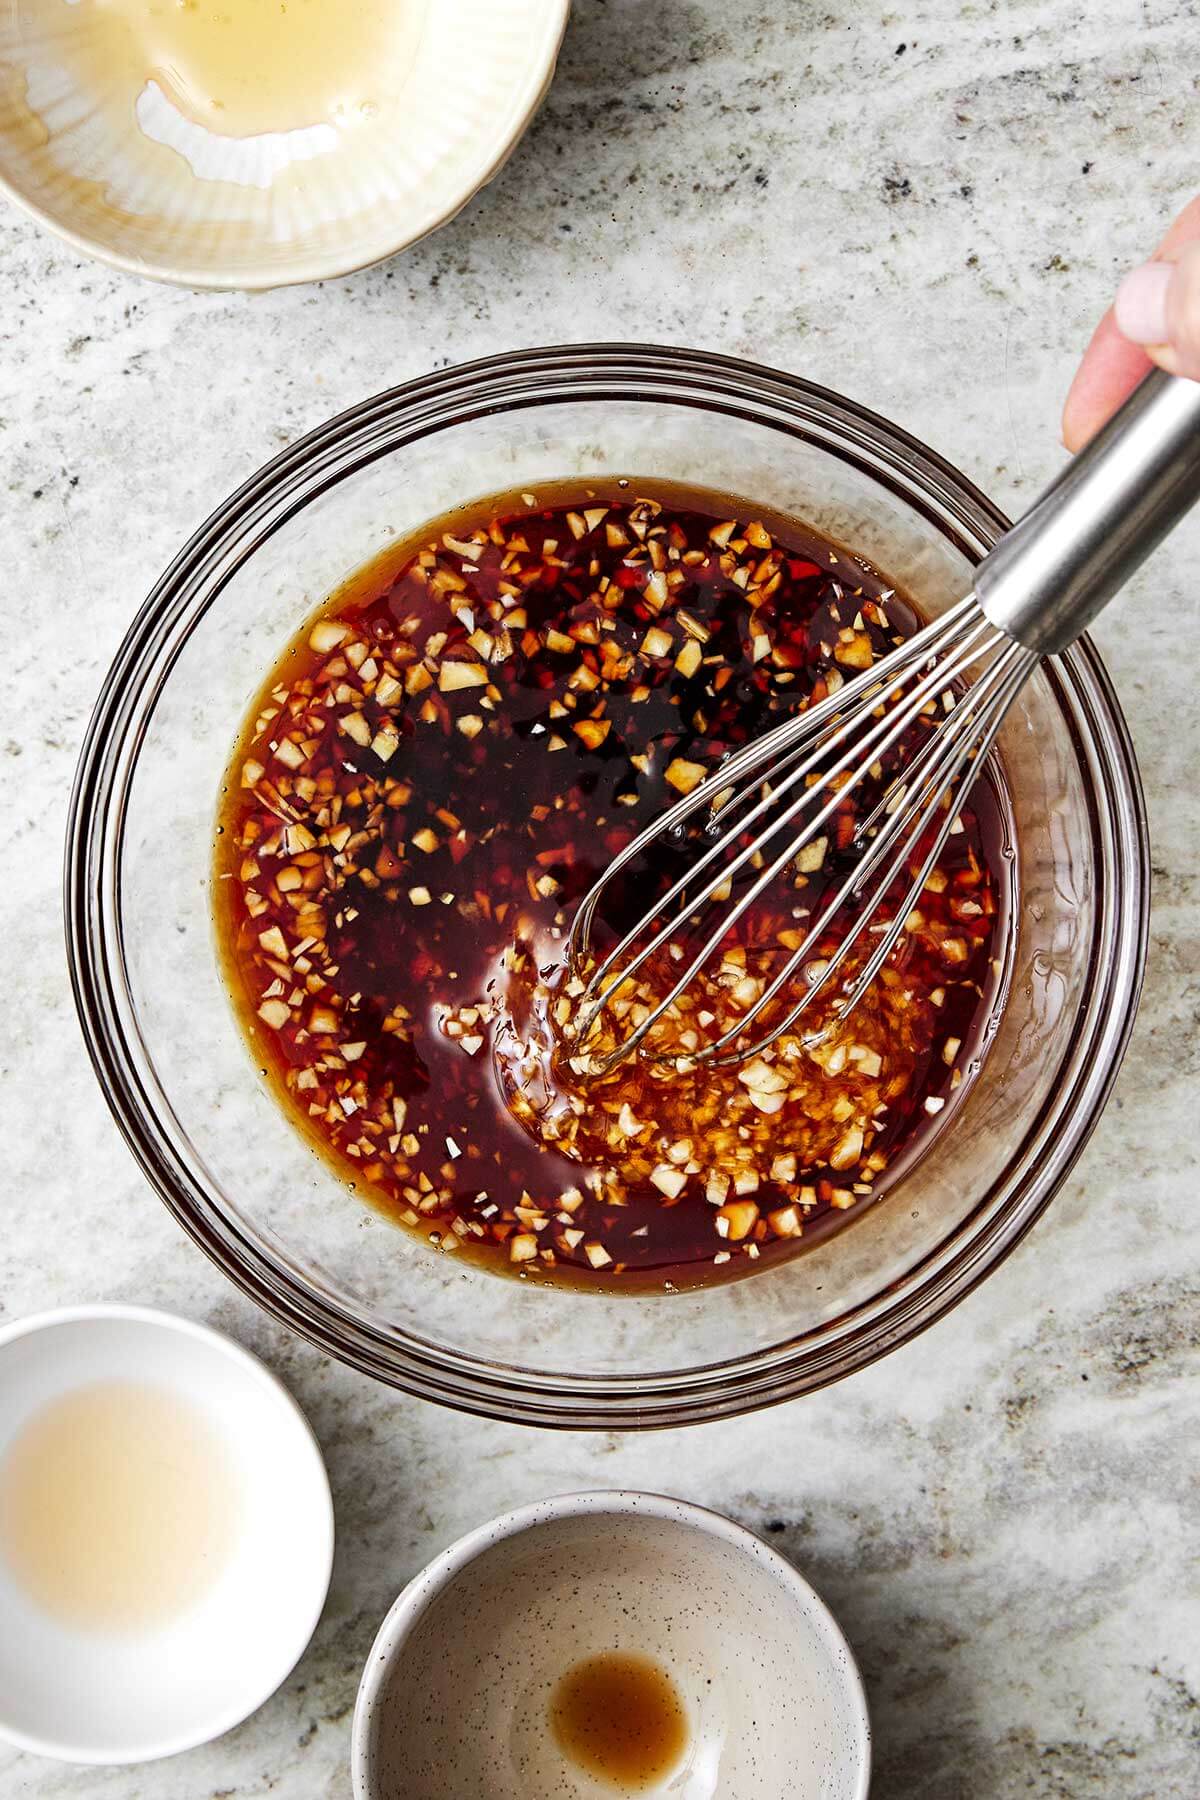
column 621, row 1717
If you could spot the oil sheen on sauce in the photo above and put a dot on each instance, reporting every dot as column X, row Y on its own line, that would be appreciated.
column 431, row 778
column 621, row 1718
column 245, row 67
column 118, row 1507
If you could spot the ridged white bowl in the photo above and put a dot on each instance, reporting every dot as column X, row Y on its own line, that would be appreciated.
column 262, row 212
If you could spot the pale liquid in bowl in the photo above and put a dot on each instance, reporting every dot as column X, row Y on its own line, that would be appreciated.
column 119, row 1507
column 242, row 67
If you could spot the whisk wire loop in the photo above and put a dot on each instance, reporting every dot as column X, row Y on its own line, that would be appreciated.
column 793, row 780
column 747, row 763
column 902, row 835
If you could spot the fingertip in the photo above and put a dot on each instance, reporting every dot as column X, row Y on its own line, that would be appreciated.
column 1111, row 369
column 1140, row 308
column 1070, row 425
column 1073, row 426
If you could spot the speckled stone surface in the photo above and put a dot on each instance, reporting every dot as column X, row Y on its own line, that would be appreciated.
column 926, row 208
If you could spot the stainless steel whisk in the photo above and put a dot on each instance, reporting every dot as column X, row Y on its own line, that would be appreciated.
column 1035, row 592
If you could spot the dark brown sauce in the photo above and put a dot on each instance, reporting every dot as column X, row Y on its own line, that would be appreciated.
column 429, row 1137
column 621, row 1718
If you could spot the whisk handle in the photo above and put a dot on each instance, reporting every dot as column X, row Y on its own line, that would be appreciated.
column 1098, row 520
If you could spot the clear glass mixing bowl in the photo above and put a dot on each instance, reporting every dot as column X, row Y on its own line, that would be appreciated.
column 172, row 1059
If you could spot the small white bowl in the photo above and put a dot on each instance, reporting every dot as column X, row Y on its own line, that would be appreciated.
column 121, row 175
column 92, row 1697
column 454, row 1698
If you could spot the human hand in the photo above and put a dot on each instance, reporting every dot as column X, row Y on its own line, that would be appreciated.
column 1155, row 318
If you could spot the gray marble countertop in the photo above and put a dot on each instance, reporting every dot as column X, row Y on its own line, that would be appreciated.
column 926, row 208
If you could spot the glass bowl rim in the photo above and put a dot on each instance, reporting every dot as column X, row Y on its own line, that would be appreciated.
column 512, row 381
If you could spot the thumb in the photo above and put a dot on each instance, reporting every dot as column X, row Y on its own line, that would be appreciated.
column 1158, row 306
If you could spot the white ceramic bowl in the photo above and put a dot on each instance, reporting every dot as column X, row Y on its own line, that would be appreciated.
column 455, row 1695
column 113, row 168
column 86, row 1696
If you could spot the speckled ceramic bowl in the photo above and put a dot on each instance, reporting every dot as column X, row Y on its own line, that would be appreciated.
column 455, row 1697
column 111, row 165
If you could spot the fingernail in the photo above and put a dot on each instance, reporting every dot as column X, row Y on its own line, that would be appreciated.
column 1141, row 303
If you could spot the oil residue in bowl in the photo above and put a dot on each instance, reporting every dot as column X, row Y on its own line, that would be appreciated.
column 119, row 1507
column 245, row 67
column 620, row 1717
